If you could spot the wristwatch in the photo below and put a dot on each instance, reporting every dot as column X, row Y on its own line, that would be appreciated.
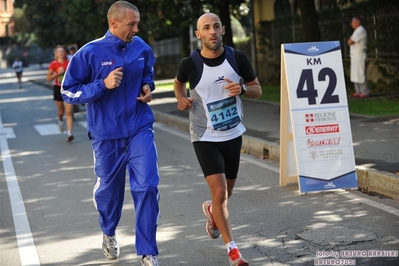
column 243, row 89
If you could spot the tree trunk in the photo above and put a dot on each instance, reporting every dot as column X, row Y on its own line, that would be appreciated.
column 224, row 15
column 185, row 41
column 310, row 25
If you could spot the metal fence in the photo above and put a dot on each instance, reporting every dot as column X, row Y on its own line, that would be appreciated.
column 380, row 19
column 167, row 50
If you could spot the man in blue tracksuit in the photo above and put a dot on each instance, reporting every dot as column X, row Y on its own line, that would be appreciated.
column 113, row 76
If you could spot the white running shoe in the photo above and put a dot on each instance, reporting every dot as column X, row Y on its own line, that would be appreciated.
column 149, row 260
column 61, row 126
column 110, row 247
column 211, row 227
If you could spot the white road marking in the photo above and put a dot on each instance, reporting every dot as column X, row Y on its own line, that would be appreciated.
column 51, row 129
column 83, row 124
column 7, row 132
column 47, row 129
column 370, row 202
column 26, row 246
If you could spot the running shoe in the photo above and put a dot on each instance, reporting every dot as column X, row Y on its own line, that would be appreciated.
column 61, row 126
column 236, row 259
column 211, row 227
column 70, row 138
column 149, row 260
column 110, row 247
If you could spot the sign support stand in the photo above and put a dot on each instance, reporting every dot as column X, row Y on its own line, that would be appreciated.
column 316, row 149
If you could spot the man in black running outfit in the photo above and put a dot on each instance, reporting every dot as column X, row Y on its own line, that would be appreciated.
column 218, row 75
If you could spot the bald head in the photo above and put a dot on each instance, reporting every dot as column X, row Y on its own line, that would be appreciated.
column 210, row 31
column 206, row 18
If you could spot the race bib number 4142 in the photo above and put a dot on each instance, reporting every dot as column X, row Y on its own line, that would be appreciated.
column 223, row 114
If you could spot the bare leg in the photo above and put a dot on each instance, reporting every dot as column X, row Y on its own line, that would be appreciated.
column 220, row 190
column 69, row 116
column 60, row 108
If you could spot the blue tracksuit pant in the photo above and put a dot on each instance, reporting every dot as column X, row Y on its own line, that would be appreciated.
column 138, row 155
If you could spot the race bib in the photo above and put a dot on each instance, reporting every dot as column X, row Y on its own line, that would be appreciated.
column 60, row 77
column 223, row 114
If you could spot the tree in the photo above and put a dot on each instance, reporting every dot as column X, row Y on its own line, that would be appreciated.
column 77, row 21
column 66, row 21
column 310, row 25
column 22, row 28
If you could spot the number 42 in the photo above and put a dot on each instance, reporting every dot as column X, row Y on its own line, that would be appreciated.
column 309, row 90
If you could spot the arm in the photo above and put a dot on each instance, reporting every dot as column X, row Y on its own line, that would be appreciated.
column 183, row 102
column 254, row 89
column 51, row 74
column 185, row 67
column 82, row 83
column 148, row 71
column 350, row 42
column 146, row 95
column 147, row 84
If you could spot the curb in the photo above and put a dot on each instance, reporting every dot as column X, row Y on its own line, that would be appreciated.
column 370, row 181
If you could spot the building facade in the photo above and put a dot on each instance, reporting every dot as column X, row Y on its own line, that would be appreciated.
column 6, row 18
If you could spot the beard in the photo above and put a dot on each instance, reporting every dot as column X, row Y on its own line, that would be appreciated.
column 213, row 46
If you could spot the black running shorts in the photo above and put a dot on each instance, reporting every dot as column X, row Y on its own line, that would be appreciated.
column 219, row 157
column 57, row 93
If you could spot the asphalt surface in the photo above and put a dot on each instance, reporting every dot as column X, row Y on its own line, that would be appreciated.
column 375, row 139
column 272, row 225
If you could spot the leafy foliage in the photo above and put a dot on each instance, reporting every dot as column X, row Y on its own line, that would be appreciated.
column 77, row 21
column 66, row 21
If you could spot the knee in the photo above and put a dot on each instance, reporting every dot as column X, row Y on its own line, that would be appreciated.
column 220, row 196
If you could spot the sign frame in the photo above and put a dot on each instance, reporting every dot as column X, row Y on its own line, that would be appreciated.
column 316, row 149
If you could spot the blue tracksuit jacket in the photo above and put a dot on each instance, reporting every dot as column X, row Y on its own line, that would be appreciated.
column 111, row 114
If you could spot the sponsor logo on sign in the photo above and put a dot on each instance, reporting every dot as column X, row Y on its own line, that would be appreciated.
column 326, row 154
column 313, row 49
column 330, row 142
column 322, row 129
column 309, row 118
column 329, row 185
column 320, row 117
column 313, row 155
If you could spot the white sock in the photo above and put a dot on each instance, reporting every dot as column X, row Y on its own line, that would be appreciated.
column 230, row 246
column 69, row 133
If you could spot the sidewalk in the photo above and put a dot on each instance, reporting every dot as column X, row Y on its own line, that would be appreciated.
column 375, row 139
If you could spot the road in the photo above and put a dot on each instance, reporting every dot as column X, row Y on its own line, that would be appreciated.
column 48, row 217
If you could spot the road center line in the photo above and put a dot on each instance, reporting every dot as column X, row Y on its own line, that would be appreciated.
column 26, row 246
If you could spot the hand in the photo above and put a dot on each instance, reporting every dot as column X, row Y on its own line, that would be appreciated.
column 233, row 87
column 114, row 79
column 60, row 71
column 184, row 103
column 146, row 95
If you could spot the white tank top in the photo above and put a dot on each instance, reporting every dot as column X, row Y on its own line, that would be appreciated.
column 215, row 115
